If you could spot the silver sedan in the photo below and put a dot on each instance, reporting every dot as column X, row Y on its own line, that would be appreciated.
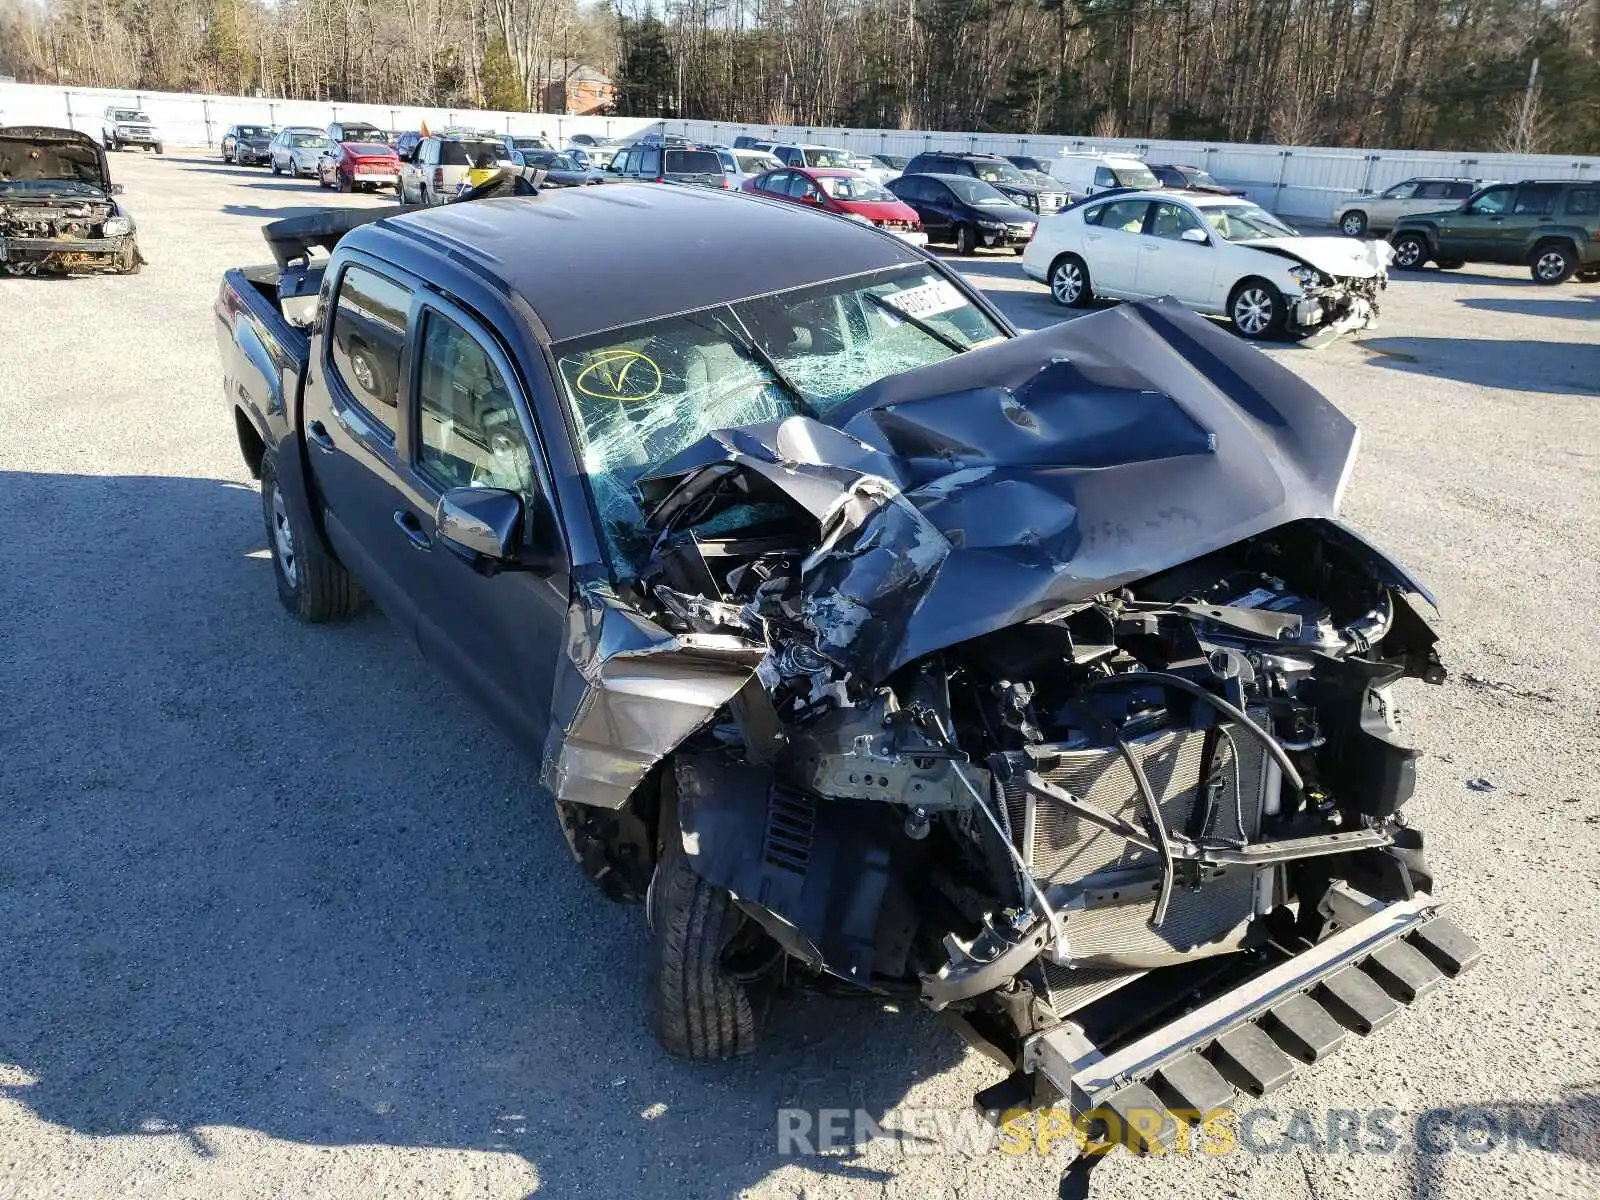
column 296, row 149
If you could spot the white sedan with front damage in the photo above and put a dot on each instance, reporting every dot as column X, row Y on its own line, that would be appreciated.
column 1218, row 254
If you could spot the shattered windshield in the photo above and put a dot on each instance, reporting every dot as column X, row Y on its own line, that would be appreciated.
column 854, row 187
column 1244, row 223
column 641, row 395
column 975, row 191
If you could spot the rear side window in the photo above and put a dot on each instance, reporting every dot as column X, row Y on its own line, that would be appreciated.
column 366, row 336
column 1584, row 202
column 649, row 162
column 1458, row 191
column 1439, row 191
column 1536, row 199
column 1125, row 215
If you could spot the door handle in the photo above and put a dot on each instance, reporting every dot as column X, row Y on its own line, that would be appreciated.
column 1147, row 247
column 317, row 434
column 1091, row 237
column 412, row 528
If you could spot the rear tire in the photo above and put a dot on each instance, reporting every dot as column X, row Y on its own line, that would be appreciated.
column 1411, row 252
column 343, row 184
column 1353, row 224
column 697, row 1010
column 311, row 585
column 966, row 241
column 1552, row 263
column 1069, row 282
column 1257, row 310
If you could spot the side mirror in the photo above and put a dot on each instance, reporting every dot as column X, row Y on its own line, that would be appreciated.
column 482, row 525
column 1195, row 235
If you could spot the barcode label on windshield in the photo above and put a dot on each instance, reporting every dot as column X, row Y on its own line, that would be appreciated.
column 928, row 300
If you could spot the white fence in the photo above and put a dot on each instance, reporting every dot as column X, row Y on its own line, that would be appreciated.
column 1303, row 181
column 186, row 120
column 1295, row 181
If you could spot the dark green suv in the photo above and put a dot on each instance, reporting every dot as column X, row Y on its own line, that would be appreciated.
column 1552, row 226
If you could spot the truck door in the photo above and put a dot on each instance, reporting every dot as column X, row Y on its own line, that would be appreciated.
column 355, row 386
column 497, row 637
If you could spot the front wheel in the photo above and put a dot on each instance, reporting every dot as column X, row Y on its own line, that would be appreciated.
column 966, row 241
column 1410, row 252
column 1552, row 264
column 698, row 1008
column 311, row 585
column 156, row 149
column 1257, row 309
column 344, row 185
column 1354, row 224
column 1069, row 282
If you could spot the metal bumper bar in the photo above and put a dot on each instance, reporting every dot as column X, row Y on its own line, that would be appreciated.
column 1253, row 1037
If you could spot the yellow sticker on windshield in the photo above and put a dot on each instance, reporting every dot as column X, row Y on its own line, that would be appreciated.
column 625, row 375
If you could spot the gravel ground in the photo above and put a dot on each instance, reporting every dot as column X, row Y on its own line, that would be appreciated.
column 280, row 916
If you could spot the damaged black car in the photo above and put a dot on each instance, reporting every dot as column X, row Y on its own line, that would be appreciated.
column 59, row 210
column 867, row 643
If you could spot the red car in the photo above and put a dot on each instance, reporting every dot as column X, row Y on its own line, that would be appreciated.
column 842, row 191
column 357, row 166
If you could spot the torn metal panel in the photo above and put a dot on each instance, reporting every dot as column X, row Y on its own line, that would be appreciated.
column 629, row 692
column 1011, row 480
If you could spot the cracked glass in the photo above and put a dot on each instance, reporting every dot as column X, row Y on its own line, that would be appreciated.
column 640, row 395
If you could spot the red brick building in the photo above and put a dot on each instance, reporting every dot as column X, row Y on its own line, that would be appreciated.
column 576, row 90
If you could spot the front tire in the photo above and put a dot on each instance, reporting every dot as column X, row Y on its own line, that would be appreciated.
column 156, row 149
column 1353, row 224
column 697, row 1009
column 311, row 585
column 1411, row 252
column 1552, row 263
column 966, row 241
column 1069, row 282
column 1257, row 310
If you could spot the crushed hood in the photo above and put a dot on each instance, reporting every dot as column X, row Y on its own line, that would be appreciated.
column 982, row 491
column 1341, row 257
column 35, row 152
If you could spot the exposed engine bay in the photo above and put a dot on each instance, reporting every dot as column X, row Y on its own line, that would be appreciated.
column 1030, row 679
column 57, row 208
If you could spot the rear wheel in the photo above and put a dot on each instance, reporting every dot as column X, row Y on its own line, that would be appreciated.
column 1353, row 224
column 966, row 241
column 311, row 585
column 344, row 184
column 1552, row 263
column 698, row 1008
column 1257, row 310
column 1069, row 282
column 1410, row 252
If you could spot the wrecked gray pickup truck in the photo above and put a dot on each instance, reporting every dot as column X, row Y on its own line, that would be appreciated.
column 867, row 642
column 59, row 210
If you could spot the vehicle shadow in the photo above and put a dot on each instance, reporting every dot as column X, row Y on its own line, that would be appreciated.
column 278, row 878
column 1560, row 368
column 1576, row 308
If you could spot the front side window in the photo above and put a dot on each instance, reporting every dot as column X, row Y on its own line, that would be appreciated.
column 469, row 434
column 366, row 335
column 649, row 162
column 1245, row 223
column 641, row 395
column 1491, row 202
column 1172, row 219
column 1402, row 191
column 1137, row 177
column 1104, row 178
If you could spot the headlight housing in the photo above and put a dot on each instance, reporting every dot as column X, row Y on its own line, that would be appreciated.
column 116, row 227
column 1305, row 276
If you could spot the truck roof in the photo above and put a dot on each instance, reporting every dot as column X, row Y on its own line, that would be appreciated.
column 596, row 258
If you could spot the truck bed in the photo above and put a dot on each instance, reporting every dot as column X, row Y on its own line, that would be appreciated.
column 264, row 353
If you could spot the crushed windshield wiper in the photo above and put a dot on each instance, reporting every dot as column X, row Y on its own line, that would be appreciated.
column 742, row 339
column 937, row 335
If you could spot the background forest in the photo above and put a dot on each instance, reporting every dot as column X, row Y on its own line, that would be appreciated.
column 1441, row 74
